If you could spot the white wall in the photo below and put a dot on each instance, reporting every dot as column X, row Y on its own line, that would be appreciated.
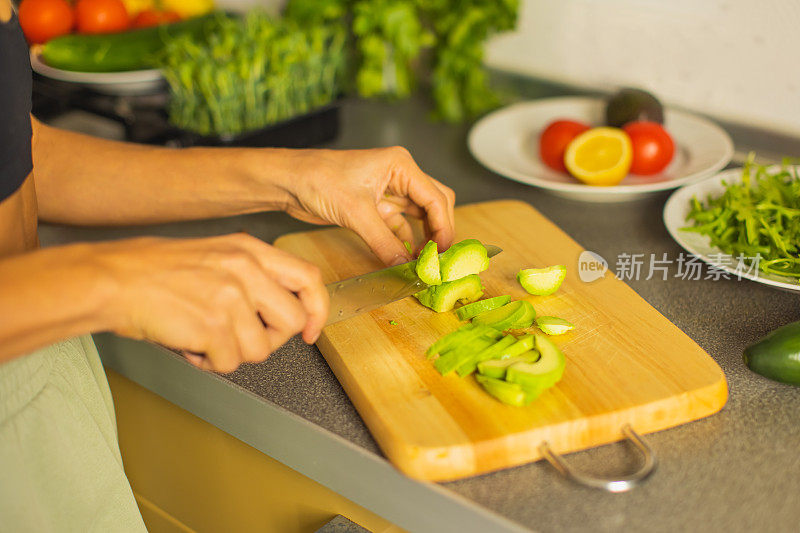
column 735, row 59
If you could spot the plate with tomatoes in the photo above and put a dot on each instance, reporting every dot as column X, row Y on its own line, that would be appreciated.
column 586, row 149
column 45, row 20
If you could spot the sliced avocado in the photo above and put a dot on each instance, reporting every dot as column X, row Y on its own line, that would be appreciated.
column 462, row 259
column 503, row 317
column 470, row 365
column 526, row 320
column 628, row 105
column 462, row 336
column 537, row 377
column 453, row 359
column 542, row 281
column 443, row 297
column 552, row 325
column 496, row 368
column 508, row 393
column 481, row 306
column 523, row 344
column 428, row 265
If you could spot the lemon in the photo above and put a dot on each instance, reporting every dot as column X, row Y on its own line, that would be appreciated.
column 188, row 8
column 600, row 156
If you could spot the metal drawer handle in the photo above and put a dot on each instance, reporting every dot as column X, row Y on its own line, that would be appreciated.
column 611, row 485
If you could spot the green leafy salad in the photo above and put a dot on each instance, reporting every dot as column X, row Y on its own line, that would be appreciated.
column 758, row 217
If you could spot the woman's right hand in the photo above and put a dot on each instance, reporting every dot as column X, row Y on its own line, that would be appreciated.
column 209, row 296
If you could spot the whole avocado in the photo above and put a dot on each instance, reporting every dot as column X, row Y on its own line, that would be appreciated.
column 629, row 104
column 777, row 356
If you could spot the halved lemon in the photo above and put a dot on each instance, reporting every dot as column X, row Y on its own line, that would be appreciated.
column 600, row 156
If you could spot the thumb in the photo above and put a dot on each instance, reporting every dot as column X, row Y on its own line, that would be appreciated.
column 369, row 225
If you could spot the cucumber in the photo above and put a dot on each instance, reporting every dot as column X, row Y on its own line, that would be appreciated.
column 481, row 306
column 777, row 356
column 117, row 52
column 502, row 318
column 462, row 259
column 428, row 265
column 542, row 281
column 552, row 325
column 443, row 297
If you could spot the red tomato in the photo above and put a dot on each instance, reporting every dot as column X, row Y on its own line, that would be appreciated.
column 653, row 148
column 554, row 140
column 154, row 17
column 101, row 16
column 41, row 20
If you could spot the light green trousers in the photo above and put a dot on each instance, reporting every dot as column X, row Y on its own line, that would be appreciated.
column 60, row 465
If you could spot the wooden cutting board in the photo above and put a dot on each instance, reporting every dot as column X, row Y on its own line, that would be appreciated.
column 626, row 363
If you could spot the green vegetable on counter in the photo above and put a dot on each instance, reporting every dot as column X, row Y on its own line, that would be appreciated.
column 542, row 281
column 777, row 356
column 244, row 74
column 755, row 220
column 117, row 52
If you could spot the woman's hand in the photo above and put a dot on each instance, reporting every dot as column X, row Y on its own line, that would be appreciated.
column 233, row 299
column 369, row 191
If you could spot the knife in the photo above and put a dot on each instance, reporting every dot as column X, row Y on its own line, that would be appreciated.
column 364, row 293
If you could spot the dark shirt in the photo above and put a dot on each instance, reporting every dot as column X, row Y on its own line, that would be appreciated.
column 15, row 107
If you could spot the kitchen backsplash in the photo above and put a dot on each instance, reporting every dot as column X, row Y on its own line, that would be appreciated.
column 734, row 59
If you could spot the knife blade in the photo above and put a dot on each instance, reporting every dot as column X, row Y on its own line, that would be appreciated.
column 364, row 293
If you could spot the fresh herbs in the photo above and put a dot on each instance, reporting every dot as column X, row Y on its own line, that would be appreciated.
column 756, row 218
column 245, row 74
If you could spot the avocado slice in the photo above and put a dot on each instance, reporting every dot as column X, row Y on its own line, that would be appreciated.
column 496, row 368
column 462, row 336
column 470, row 365
column 629, row 104
column 526, row 320
column 542, row 281
column 443, row 297
column 537, row 377
column 462, row 259
column 428, row 265
column 481, row 306
column 453, row 359
column 503, row 317
column 552, row 325
column 508, row 393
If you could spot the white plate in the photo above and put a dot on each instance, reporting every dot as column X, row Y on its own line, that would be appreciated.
column 507, row 142
column 675, row 211
column 118, row 83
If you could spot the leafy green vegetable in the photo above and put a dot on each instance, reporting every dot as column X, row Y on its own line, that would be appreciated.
column 247, row 73
column 757, row 218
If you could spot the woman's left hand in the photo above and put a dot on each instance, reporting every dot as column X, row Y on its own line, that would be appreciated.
column 369, row 191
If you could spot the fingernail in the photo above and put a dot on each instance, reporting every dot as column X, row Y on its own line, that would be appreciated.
column 399, row 260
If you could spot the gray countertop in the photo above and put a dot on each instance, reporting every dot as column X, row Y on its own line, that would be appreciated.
column 737, row 470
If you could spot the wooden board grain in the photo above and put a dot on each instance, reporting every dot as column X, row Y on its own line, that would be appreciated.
column 626, row 363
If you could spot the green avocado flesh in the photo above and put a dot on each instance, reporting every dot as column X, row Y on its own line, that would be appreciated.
column 481, row 306
column 461, row 337
column 444, row 297
column 428, row 265
column 537, row 377
column 470, row 364
column 508, row 393
column 496, row 368
column 542, row 281
column 552, row 325
column 462, row 259
column 526, row 320
column 503, row 317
